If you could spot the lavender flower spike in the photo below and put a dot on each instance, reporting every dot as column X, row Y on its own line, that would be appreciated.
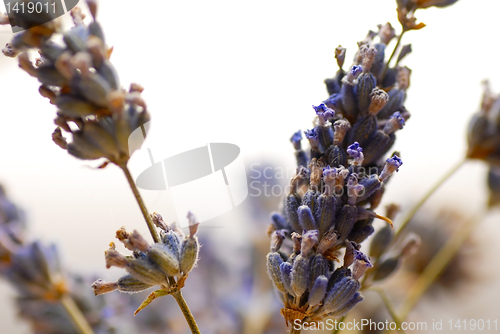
column 356, row 152
column 324, row 113
column 391, row 165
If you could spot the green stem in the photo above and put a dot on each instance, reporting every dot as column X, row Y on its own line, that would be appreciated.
column 186, row 311
column 389, row 307
column 138, row 198
column 79, row 321
column 417, row 206
column 386, row 66
column 437, row 264
column 337, row 330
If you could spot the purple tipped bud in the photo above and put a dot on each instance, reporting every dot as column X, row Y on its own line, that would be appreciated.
column 309, row 240
column 341, row 127
column 312, row 136
column 353, row 74
column 356, row 152
column 324, row 113
column 334, row 179
column 361, row 264
column 391, row 165
column 395, row 122
column 353, row 189
column 296, row 138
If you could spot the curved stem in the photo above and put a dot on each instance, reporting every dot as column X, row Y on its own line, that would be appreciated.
column 417, row 206
column 138, row 198
column 79, row 321
column 437, row 264
column 337, row 330
column 186, row 311
column 389, row 307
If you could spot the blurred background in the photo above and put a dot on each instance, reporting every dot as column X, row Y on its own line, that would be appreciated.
column 247, row 73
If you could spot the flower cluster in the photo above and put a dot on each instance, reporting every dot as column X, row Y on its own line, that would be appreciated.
column 484, row 140
column 338, row 184
column 166, row 264
column 78, row 78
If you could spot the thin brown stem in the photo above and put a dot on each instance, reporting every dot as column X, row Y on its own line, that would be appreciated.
column 186, row 311
column 138, row 198
column 431, row 191
column 79, row 321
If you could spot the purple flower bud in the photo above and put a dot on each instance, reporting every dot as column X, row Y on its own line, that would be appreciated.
column 395, row 122
column 356, row 152
column 352, row 75
column 354, row 189
column 296, row 138
column 361, row 264
column 391, row 165
column 324, row 113
column 334, row 179
column 312, row 136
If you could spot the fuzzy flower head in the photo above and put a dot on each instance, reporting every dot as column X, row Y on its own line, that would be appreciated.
column 295, row 140
column 391, row 165
column 395, row 122
column 356, row 152
column 324, row 113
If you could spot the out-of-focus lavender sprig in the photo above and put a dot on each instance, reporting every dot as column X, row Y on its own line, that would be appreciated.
column 43, row 290
column 484, row 140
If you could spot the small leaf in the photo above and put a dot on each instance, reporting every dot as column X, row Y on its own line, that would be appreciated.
column 151, row 297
